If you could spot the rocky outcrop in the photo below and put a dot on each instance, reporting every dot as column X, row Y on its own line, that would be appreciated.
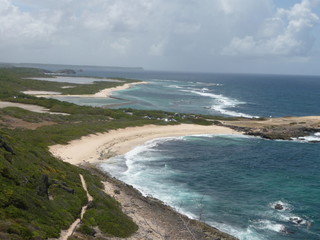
column 45, row 183
column 278, row 206
column 281, row 132
column 6, row 146
column 44, row 186
column 281, row 128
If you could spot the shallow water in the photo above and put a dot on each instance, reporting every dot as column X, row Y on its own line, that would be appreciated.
column 246, row 95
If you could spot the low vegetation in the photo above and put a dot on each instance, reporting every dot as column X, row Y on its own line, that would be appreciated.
column 39, row 194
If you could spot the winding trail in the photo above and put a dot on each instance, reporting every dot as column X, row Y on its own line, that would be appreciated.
column 67, row 233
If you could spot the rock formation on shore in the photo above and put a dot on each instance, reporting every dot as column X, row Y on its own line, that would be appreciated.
column 285, row 128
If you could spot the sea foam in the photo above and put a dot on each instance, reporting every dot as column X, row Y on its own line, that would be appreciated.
column 222, row 103
column 311, row 138
column 148, row 168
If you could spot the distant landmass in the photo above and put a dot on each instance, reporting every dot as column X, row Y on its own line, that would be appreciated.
column 76, row 68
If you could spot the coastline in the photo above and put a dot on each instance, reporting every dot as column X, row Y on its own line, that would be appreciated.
column 104, row 93
column 155, row 219
column 102, row 146
column 107, row 92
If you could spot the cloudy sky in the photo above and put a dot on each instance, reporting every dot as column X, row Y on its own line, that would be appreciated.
column 264, row 36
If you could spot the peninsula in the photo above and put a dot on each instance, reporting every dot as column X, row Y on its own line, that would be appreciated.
column 51, row 159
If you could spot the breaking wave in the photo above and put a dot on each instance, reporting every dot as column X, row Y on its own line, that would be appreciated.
column 222, row 103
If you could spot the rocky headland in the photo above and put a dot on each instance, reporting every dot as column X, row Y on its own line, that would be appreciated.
column 285, row 128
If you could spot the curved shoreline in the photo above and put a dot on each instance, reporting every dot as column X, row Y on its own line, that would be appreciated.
column 104, row 93
column 102, row 146
column 154, row 218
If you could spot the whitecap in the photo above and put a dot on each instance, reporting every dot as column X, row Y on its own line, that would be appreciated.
column 209, row 84
column 141, row 152
column 222, row 135
column 269, row 225
column 311, row 138
column 222, row 103
column 248, row 233
column 175, row 86
column 231, row 113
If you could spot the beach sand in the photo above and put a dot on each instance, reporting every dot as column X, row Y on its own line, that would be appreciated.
column 156, row 221
column 29, row 107
column 30, row 92
column 97, row 147
column 108, row 91
column 104, row 93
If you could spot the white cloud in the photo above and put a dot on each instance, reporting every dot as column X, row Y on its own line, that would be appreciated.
column 174, row 33
column 20, row 27
column 121, row 45
column 116, row 15
column 287, row 33
column 188, row 26
column 226, row 6
column 157, row 49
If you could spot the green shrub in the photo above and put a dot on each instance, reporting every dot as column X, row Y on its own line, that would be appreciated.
column 85, row 229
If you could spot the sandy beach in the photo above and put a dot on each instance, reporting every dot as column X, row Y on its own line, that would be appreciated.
column 156, row 221
column 108, row 91
column 97, row 147
column 104, row 93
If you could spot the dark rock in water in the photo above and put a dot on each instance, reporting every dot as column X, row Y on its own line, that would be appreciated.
column 286, row 230
column 296, row 220
column 278, row 206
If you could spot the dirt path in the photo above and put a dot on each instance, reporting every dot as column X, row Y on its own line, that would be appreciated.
column 67, row 233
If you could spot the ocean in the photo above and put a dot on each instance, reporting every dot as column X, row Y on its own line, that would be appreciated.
column 229, row 182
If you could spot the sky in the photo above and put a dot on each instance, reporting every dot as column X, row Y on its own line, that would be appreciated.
column 231, row 36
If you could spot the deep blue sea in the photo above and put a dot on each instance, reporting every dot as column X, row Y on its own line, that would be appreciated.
column 230, row 182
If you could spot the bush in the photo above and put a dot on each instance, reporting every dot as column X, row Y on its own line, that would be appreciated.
column 85, row 229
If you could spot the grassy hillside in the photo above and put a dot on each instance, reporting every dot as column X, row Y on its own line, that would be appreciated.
column 39, row 194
